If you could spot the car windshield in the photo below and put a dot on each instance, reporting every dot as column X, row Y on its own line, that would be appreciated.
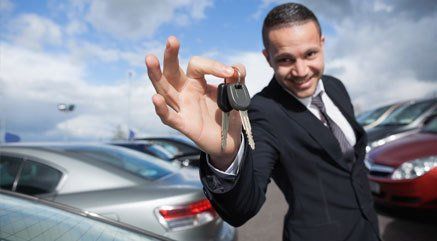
column 371, row 116
column 23, row 219
column 176, row 148
column 407, row 114
column 135, row 162
column 431, row 126
column 160, row 152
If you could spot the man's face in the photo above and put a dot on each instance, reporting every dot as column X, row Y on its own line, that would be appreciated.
column 296, row 55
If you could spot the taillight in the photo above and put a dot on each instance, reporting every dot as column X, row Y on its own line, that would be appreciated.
column 186, row 216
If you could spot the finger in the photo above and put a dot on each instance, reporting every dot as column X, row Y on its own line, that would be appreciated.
column 172, row 70
column 160, row 83
column 168, row 116
column 239, row 74
column 198, row 67
column 153, row 68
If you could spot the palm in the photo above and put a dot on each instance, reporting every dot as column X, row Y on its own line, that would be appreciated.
column 194, row 110
column 200, row 116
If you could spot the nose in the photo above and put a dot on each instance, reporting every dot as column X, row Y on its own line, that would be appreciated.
column 300, row 68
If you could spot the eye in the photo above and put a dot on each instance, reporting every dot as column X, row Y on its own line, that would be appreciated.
column 285, row 60
column 311, row 54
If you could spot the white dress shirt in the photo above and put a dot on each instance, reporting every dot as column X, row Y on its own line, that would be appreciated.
column 332, row 111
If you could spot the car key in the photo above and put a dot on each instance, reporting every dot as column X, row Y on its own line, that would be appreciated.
column 223, row 103
column 239, row 99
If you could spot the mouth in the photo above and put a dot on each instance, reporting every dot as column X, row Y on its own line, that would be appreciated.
column 300, row 81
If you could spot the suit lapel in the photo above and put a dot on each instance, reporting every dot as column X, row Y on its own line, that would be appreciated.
column 358, row 130
column 300, row 114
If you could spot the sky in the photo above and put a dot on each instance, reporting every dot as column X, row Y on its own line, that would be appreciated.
column 90, row 53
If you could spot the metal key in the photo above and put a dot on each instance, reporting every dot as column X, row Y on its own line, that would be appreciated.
column 239, row 99
column 223, row 103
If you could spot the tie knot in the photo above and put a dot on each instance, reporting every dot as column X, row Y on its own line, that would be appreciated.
column 317, row 102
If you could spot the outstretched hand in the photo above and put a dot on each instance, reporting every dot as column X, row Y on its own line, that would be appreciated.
column 187, row 103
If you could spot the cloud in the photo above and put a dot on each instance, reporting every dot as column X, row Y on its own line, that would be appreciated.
column 33, row 83
column 84, row 51
column 137, row 18
column 258, row 71
column 33, row 31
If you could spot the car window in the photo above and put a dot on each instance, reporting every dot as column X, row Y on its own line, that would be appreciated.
column 36, row 178
column 134, row 162
column 9, row 167
column 160, row 152
column 407, row 114
column 374, row 115
column 431, row 126
column 175, row 148
column 27, row 220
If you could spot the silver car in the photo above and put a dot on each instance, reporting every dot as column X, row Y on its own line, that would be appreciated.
column 27, row 218
column 115, row 182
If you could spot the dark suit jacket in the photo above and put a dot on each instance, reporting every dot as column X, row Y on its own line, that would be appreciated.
column 328, row 199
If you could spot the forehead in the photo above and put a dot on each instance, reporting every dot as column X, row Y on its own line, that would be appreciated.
column 294, row 37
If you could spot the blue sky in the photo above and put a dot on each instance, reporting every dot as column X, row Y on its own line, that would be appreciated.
column 82, row 51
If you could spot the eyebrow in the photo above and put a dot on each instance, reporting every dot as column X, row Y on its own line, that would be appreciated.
column 284, row 55
column 288, row 55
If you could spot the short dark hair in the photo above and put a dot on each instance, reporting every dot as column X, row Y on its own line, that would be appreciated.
column 287, row 14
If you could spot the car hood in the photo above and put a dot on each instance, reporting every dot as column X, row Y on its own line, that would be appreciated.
column 409, row 148
column 379, row 132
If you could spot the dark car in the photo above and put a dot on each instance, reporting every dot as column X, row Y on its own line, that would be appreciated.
column 372, row 118
column 151, row 149
column 404, row 172
column 182, row 149
column 26, row 218
column 404, row 121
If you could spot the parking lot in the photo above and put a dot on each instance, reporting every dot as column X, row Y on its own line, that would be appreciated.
column 394, row 224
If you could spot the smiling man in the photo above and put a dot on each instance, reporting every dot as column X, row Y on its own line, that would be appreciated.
column 307, row 139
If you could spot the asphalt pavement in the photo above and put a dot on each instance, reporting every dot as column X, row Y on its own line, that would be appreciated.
column 394, row 224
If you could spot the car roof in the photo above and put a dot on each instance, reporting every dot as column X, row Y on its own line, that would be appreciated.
column 83, row 175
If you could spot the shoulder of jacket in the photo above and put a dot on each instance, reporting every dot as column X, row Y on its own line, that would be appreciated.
column 332, row 82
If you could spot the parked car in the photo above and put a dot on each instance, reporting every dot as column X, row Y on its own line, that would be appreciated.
column 404, row 121
column 151, row 149
column 27, row 218
column 372, row 118
column 181, row 148
column 404, row 172
column 115, row 182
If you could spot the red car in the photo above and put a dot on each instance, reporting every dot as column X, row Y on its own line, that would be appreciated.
column 404, row 172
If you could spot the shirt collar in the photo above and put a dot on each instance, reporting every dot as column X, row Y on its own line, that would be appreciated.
column 307, row 100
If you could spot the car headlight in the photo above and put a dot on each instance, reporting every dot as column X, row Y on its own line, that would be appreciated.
column 414, row 168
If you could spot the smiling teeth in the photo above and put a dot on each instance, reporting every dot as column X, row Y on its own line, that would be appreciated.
column 299, row 81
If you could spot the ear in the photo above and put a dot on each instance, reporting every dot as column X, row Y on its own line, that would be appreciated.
column 322, row 40
column 267, row 56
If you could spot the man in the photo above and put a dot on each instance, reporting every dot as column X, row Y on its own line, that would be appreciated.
column 306, row 136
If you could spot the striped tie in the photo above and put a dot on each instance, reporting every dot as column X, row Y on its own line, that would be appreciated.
column 345, row 146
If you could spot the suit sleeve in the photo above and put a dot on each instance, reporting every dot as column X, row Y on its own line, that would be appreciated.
column 239, row 198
